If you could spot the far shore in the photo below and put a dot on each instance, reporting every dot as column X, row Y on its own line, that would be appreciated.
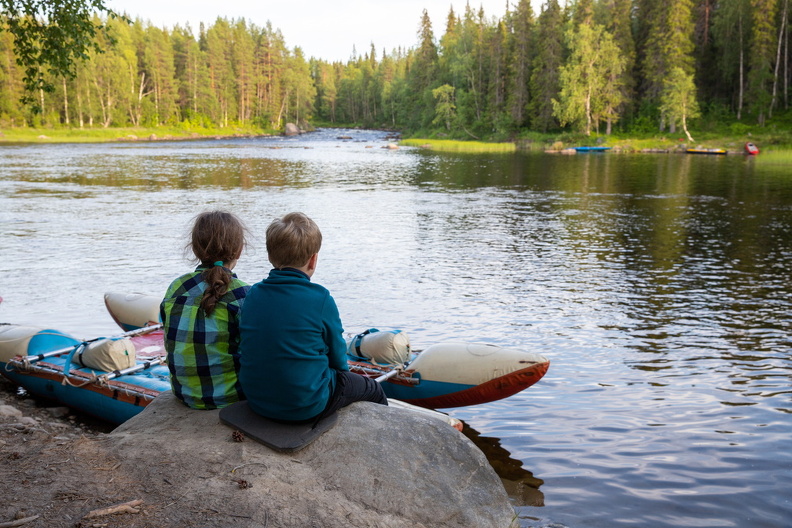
column 558, row 144
column 127, row 134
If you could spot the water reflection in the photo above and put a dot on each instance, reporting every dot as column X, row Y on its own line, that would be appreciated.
column 521, row 485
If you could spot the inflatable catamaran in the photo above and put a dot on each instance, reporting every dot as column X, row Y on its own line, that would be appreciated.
column 114, row 378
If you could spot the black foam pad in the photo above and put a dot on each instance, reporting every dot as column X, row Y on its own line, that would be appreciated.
column 276, row 435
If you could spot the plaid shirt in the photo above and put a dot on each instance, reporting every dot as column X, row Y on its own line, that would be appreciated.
column 203, row 352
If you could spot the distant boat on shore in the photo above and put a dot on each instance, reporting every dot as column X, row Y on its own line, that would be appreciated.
column 751, row 149
column 705, row 151
column 592, row 149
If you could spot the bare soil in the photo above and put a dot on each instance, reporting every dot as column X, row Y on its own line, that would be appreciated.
column 54, row 471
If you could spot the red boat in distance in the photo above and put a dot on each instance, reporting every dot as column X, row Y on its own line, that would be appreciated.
column 751, row 149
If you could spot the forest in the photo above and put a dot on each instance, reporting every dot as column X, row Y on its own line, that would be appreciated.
column 592, row 67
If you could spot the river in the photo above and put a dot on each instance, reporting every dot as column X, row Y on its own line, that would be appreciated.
column 658, row 286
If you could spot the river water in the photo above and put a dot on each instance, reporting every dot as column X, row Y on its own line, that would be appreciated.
column 658, row 285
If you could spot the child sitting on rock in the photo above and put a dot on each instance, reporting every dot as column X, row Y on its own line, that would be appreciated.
column 200, row 315
column 293, row 365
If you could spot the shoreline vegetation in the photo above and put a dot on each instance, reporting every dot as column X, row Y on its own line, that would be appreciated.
column 124, row 134
column 776, row 147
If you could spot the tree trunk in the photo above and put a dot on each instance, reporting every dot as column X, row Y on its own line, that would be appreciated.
column 684, row 127
column 79, row 106
column 65, row 103
column 742, row 72
column 778, row 59
column 588, row 112
column 786, row 68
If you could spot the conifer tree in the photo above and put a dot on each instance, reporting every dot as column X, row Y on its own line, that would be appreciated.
column 616, row 17
column 522, row 55
column 731, row 33
column 669, row 45
column 546, row 66
column 422, row 73
column 762, row 46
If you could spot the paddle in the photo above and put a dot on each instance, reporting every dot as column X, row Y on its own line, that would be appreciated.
column 131, row 370
column 131, row 333
column 387, row 375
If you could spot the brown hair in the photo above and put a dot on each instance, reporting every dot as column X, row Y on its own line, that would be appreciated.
column 216, row 236
column 292, row 241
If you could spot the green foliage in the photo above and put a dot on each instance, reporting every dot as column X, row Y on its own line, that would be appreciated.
column 678, row 101
column 445, row 145
column 484, row 78
column 50, row 37
column 445, row 110
column 234, row 72
column 591, row 79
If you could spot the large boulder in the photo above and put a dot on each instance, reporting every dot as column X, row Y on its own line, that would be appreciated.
column 379, row 466
column 291, row 130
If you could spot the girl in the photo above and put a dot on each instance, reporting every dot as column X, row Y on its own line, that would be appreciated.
column 200, row 314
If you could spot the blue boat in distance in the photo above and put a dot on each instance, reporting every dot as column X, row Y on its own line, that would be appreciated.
column 592, row 149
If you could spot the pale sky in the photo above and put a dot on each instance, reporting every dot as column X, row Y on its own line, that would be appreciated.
column 324, row 29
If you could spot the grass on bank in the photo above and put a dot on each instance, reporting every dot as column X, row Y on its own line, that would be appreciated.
column 99, row 134
column 451, row 145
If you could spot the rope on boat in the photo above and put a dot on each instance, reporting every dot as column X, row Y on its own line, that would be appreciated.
column 398, row 373
column 104, row 378
column 91, row 379
column 132, row 333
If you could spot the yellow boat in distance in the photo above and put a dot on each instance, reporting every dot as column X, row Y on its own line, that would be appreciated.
column 705, row 151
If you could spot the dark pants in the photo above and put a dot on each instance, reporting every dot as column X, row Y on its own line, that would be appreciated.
column 351, row 387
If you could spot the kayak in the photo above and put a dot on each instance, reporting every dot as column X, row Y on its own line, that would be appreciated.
column 444, row 375
column 716, row 151
column 36, row 359
column 47, row 363
column 592, row 149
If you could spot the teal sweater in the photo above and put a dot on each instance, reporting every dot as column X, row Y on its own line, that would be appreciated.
column 291, row 345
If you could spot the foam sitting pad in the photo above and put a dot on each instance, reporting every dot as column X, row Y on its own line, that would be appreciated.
column 278, row 436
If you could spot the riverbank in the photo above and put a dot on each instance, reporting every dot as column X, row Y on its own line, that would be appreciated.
column 772, row 143
column 127, row 134
column 566, row 144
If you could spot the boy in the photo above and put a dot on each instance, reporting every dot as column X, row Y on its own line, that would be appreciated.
column 293, row 364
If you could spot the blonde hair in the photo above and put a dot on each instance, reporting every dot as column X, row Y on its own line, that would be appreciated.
column 292, row 241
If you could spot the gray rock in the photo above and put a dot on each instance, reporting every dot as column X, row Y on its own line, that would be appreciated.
column 7, row 411
column 379, row 466
column 291, row 130
column 59, row 412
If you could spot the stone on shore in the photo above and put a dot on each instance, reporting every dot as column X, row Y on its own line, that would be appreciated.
column 291, row 130
column 379, row 466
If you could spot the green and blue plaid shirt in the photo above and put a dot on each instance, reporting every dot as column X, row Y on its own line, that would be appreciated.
column 203, row 352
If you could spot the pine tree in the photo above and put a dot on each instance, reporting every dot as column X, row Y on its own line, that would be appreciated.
column 669, row 45
column 217, row 46
column 762, row 46
column 546, row 66
column 11, row 85
column 731, row 32
column 158, row 64
column 616, row 17
column 522, row 55
column 422, row 72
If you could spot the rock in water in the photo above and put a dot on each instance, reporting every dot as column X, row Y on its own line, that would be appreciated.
column 291, row 130
column 379, row 466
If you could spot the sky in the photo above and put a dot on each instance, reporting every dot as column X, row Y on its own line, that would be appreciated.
column 324, row 29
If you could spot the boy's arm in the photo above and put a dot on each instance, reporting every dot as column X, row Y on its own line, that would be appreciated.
column 334, row 336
